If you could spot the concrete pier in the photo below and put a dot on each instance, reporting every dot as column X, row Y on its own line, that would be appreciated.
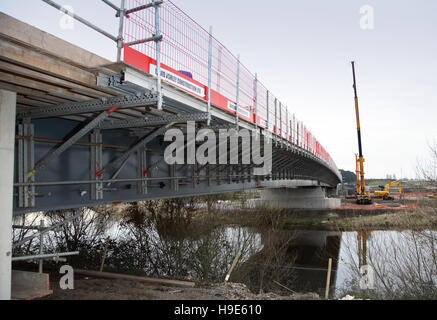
column 298, row 198
column 7, row 141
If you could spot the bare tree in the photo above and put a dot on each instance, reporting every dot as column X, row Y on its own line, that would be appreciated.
column 427, row 169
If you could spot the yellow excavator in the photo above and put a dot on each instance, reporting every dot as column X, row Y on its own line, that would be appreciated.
column 362, row 193
column 385, row 194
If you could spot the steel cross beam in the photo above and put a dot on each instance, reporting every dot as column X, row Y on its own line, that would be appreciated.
column 153, row 38
column 146, row 6
column 54, row 227
column 122, row 158
column 124, row 124
column 95, row 105
column 67, row 144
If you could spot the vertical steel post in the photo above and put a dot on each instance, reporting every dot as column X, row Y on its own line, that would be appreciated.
column 219, row 67
column 209, row 75
column 276, row 119
column 25, row 157
column 237, row 98
column 294, row 129
column 8, row 102
column 158, row 54
column 280, row 120
column 288, row 128
column 268, row 115
column 41, row 244
column 120, row 40
column 96, row 162
column 142, row 170
column 255, row 93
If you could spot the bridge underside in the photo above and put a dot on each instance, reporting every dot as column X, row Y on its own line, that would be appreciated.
column 73, row 178
column 72, row 148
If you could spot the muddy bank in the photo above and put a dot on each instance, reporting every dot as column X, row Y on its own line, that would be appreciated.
column 87, row 288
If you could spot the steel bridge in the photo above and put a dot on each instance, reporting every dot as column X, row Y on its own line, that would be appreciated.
column 79, row 130
column 90, row 131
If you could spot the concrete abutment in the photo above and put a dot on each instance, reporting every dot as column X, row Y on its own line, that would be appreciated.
column 7, row 141
column 297, row 198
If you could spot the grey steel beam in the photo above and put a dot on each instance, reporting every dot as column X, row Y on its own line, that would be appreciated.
column 26, row 153
column 255, row 98
column 71, row 141
column 45, row 256
column 158, row 53
column 96, row 156
column 120, row 40
column 153, row 38
column 65, row 183
column 210, row 74
column 146, row 6
column 95, row 105
column 113, row 6
column 237, row 96
column 153, row 122
column 75, row 16
column 142, row 170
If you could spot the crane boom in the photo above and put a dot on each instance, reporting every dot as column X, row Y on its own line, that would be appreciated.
column 363, row 197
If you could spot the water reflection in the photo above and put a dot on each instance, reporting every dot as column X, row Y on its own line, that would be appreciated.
column 404, row 264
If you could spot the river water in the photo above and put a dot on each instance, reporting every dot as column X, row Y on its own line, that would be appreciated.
column 400, row 264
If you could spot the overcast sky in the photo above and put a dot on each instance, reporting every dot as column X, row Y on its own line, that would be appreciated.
column 301, row 51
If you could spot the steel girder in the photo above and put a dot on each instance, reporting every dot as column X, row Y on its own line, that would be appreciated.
column 153, row 122
column 96, row 105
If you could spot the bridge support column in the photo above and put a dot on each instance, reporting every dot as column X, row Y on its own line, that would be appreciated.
column 298, row 198
column 7, row 142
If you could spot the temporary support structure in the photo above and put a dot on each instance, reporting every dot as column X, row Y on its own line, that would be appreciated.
column 122, row 13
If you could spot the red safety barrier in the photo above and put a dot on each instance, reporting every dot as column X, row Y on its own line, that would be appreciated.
column 184, row 61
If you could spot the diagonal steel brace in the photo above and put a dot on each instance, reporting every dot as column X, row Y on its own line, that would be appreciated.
column 123, row 158
column 67, row 144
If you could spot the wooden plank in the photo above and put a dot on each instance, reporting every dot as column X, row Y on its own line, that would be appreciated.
column 31, row 92
column 34, row 84
column 40, row 62
column 37, row 61
column 28, row 73
column 30, row 102
column 165, row 282
column 45, row 42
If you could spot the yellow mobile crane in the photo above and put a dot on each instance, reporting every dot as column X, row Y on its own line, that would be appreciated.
column 362, row 196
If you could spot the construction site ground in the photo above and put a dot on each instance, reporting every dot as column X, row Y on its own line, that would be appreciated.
column 94, row 288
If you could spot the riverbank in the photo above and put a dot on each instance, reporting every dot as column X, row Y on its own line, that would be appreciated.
column 411, row 215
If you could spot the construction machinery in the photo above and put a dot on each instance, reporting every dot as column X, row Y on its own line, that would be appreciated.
column 362, row 193
column 385, row 193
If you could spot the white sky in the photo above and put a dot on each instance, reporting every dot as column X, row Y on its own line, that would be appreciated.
column 301, row 51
